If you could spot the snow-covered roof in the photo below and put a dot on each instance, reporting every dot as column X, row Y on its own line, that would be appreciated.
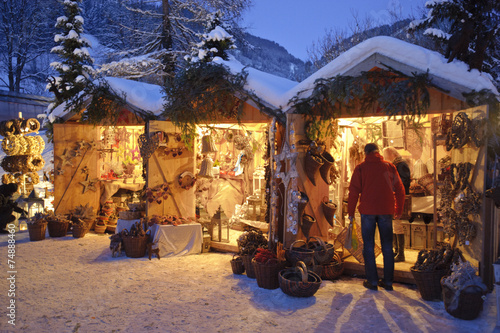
column 411, row 57
column 143, row 96
column 268, row 87
column 453, row 77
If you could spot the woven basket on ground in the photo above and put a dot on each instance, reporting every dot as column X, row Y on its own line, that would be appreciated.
column 333, row 269
column 100, row 229
column 429, row 283
column 58, row 228
column 237, row 265
column 79, row 230
column 247, row 262
column 323, row 252
column 135, row 247
column 466, row 305
column 267, row 274
column 37, row 231
column 298, row 282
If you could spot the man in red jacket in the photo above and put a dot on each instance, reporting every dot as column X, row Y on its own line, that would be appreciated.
column 381, row 194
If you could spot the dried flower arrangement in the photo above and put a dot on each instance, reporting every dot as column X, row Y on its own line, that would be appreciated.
column 250, row 241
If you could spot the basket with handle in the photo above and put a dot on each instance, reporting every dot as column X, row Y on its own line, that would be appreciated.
column 323, row 252
column 237, row 265
column 333, row 269
column 296, row 254
column 299, row 282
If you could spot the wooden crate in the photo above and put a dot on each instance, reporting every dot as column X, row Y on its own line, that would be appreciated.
column 407, row 233
column 430, row 235
column 418, row 236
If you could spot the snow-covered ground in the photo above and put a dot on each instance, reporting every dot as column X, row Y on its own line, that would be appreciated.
column 75, row 285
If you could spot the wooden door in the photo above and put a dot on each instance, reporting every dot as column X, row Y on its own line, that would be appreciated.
column 76, row 179
column 165, row 166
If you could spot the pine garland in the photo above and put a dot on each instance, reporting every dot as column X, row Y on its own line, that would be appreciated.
column 203, row 93
column 393, row 91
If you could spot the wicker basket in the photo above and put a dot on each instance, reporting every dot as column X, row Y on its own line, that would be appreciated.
column 429, row 283
column 237, row 265
column 58, row 228
column 332, row 270
column 100, row 229
column 79, row 230
column 329, row 209
column 303, row 284
column 267, row 274
column 469, row 303
column 37, row 231
column 247, row 263
column 135, row 247
column 296, row 254
column 323, row 252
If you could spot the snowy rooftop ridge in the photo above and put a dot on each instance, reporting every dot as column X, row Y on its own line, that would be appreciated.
column 413, row 55
column 144, row 96
column 277, row 91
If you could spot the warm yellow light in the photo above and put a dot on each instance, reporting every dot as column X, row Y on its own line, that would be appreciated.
column 23, row 226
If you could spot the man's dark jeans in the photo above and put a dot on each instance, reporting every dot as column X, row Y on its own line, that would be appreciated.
column 368, row 225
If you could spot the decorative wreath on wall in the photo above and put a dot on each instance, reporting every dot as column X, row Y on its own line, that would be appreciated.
column 186, row 180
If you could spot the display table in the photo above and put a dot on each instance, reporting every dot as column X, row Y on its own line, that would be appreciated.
column 177, row 240
column 124, row 224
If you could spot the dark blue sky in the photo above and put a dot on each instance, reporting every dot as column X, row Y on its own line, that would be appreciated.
column 295, row 24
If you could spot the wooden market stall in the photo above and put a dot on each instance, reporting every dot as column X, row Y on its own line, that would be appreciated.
column 419, row 139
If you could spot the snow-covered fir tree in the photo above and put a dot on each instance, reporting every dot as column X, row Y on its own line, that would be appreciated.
column 469, row 29
column 75, row 66
column 215, row 42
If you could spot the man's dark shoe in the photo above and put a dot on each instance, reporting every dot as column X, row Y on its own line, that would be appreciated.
column 387, row 287
column 368, row 285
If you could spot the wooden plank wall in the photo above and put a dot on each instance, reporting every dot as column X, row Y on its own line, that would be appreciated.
column 315, row 193
column 162, row 168
column 68, row 192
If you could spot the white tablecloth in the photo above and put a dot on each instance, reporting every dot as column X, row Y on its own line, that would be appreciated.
column 422, row 204
column 177, row 240
column 124, row 224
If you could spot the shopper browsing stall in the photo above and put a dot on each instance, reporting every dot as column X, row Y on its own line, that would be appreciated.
column 376, row 184
column 392, row 155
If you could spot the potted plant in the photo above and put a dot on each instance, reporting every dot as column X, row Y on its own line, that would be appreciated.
column 57, row 224
column 82, row 218
column 37, row 225
column 267, row 267
column 248, row 243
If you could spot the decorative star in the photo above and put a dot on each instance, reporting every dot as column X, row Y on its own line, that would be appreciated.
column 66, row 158
column 59, row 171
column 91, row 145
column 123, row 135
column 136, row 154
column 85, row 170
column 89, row 184
column 80, row 145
